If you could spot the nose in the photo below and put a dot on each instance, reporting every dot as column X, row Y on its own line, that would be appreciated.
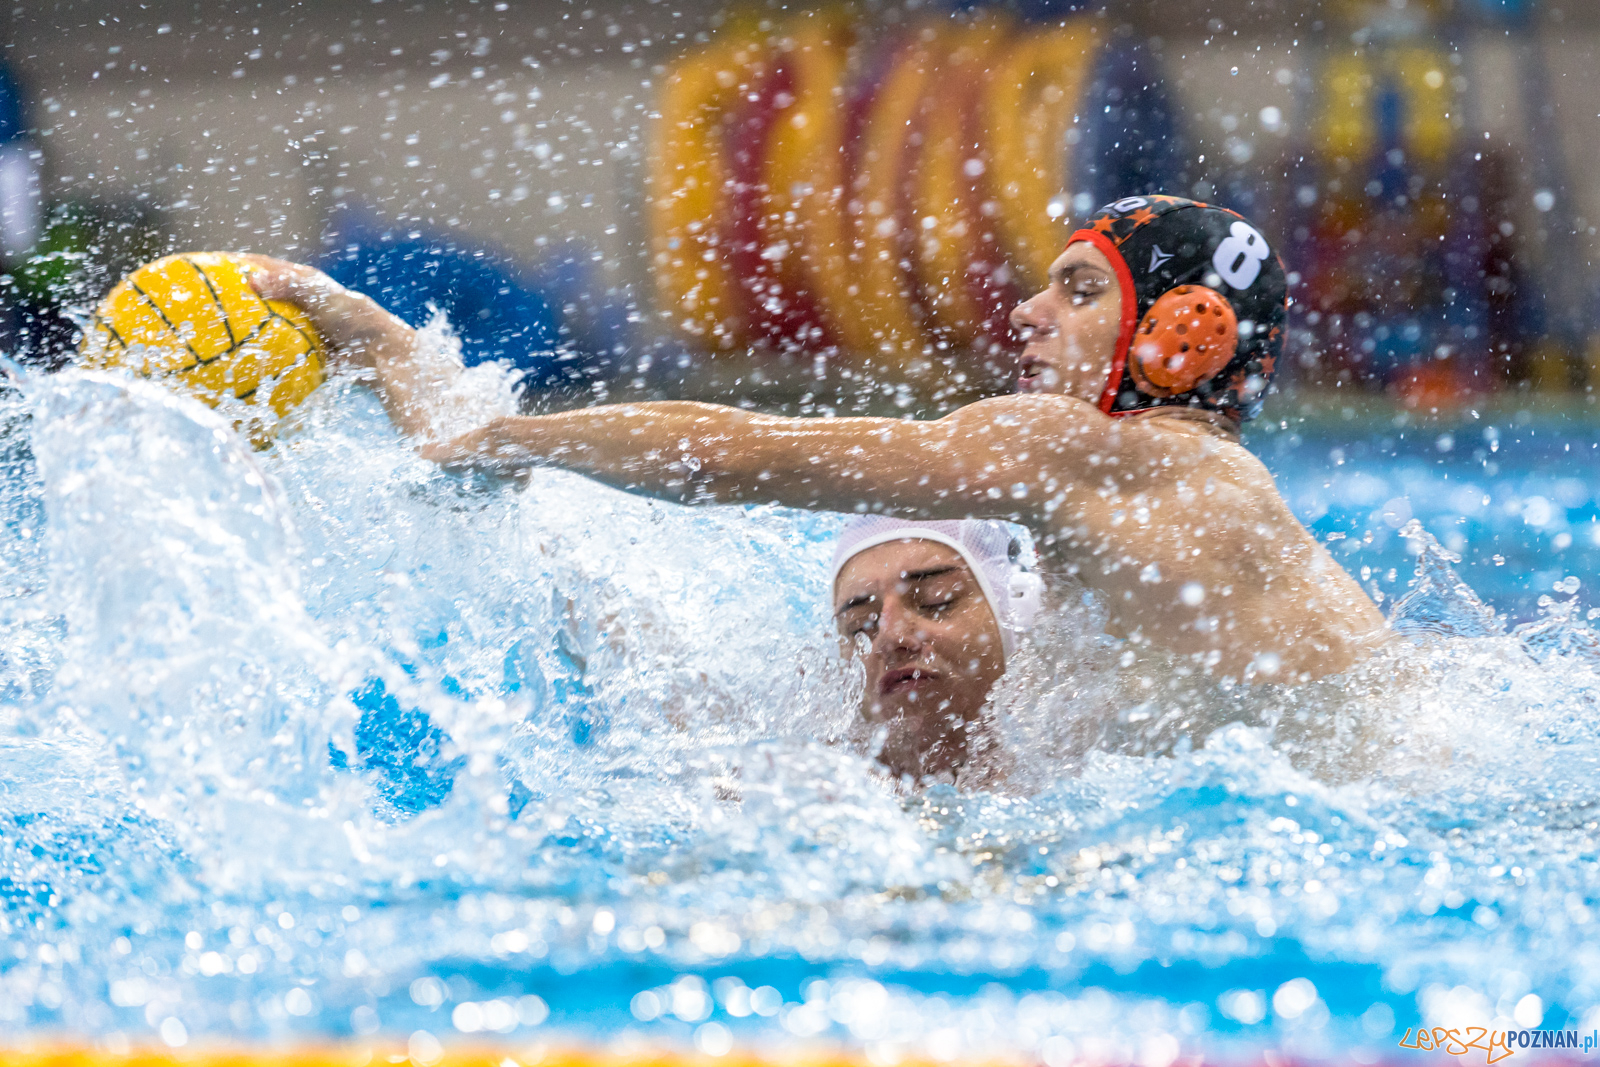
column 897, row 632
column 1027, row 315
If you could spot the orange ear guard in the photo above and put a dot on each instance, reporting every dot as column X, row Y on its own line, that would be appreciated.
column 1188, row 335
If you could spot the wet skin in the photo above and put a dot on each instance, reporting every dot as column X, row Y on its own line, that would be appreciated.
column 932, row 650
column 1069, row 327
column 1171, row 520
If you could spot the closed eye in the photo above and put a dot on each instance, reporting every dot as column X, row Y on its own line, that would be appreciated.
column 1083, row 282
column 860, row 624
column 1086, row 292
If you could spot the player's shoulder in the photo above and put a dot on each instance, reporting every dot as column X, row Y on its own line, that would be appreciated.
column 1192, row 431
column 1188, row 446
column 1030, row 409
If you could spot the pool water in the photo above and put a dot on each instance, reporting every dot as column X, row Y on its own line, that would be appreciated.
column 322, row 743
column 1509, row 489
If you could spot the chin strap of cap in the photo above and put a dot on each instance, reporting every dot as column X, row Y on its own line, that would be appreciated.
column 1130, row 315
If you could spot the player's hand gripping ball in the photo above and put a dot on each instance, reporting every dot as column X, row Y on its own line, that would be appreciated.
column 193, row 319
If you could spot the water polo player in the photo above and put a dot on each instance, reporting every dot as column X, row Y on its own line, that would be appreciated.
column 934, row 609
column 1156, row 336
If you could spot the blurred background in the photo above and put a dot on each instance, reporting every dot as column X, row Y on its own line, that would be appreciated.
column 830, row 208
column 830, row 204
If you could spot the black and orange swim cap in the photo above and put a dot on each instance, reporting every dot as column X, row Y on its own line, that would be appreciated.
column 1211, row 301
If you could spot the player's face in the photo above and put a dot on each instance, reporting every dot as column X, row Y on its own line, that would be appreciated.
column 931, row 650
column 1070, row 327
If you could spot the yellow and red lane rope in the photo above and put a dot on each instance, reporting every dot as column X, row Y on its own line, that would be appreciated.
column 796, row 201
column 687, row 187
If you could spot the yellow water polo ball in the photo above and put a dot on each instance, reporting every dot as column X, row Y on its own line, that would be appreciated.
column 193, row 319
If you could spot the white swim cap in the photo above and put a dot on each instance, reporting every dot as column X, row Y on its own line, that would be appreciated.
column 994, row 551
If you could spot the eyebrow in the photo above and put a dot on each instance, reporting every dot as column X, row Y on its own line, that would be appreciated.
column 855, row 602
column 931, row 572
column 910, row 576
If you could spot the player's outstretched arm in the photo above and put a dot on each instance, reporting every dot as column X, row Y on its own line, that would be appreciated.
column 1000, row 458
column 408, row 377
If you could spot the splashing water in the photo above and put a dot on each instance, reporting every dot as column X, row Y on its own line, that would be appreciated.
column 1439, row 602
column 323, row 741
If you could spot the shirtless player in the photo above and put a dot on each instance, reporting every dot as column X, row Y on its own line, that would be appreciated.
column 1156, row 336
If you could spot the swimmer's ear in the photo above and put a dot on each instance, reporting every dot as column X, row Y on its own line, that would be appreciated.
column 1027, row 598
column 1187, row 337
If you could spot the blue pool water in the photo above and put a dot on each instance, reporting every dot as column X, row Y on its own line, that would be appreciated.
column 323, row 742
column 1509, row 489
